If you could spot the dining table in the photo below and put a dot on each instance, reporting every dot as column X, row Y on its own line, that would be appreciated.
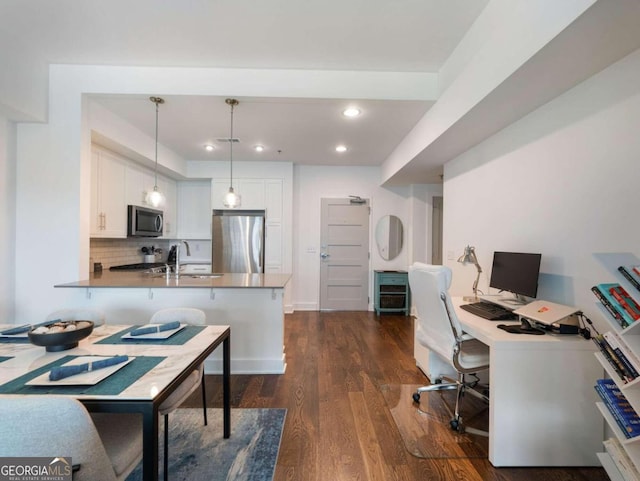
column 155, row 368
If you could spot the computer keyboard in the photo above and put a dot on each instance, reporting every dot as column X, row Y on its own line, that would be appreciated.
column 489, row 311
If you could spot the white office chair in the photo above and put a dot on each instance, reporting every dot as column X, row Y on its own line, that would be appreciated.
column 57, row 426
column 438, row 329
column 94, row 315
column 196, row 378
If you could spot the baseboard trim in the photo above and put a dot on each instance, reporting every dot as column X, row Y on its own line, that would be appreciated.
column 248, row 366
column 306, row 306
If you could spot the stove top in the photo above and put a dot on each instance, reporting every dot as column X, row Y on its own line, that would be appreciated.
column 137, row 267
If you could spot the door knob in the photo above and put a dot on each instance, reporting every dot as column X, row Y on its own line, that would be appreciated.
column 324, row 255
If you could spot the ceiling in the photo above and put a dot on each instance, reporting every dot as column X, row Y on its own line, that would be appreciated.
column 347, row 35
column 302, row 131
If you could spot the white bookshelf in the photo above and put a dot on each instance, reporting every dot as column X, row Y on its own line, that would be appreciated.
column 631, row 390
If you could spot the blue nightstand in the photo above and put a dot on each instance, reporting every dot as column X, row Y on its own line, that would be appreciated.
column 391, row 292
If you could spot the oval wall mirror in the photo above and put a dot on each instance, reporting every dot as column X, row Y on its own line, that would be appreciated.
column 389, row 237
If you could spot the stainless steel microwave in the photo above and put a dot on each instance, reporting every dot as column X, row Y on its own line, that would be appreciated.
column 144, row 222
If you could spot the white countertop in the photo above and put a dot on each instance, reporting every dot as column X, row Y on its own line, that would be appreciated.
column 139, row 279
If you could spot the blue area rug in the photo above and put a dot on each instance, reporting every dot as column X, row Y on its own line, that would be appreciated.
column 200, row 453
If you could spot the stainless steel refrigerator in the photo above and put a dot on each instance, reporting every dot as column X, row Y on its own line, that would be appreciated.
column 237, row 241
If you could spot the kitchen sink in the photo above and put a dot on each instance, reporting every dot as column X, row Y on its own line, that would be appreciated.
column 190, row 276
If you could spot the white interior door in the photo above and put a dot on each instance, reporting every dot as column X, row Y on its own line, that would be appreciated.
column 344, row 255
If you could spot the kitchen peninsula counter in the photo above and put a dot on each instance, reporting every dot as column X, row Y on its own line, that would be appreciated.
column 142, row 280
column 251, row 304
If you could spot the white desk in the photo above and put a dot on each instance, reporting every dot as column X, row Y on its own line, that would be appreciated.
column 542, row 408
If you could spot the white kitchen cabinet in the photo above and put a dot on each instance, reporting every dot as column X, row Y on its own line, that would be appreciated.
column 117, row 182
column 140, row 181
column 252, row 192
column 148, row 183
column 133, row 183
column 169, row 189
column 108, row 206
column 194, row 210
column 274, row 243
column 273, row 200
column 255, row 193
column 218, row 189
column 273, row 247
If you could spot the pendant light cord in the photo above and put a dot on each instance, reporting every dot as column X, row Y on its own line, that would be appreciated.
column 231, row 199
column 231, row 147
column 155, row 185
column 157, row 101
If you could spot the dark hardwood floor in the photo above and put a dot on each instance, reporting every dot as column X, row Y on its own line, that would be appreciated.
column 338, row 426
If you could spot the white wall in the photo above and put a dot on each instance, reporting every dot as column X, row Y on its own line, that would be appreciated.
column 7, row 218
column 312, row 183
column 420, row 243
column 23, row 85
column 563, row 181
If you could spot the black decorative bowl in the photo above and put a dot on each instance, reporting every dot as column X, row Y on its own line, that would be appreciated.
column 58, row 336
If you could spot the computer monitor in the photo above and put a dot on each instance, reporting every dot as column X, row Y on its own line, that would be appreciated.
column 516, row 272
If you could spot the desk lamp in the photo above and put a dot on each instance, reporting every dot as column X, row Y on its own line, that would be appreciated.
column 469, row 257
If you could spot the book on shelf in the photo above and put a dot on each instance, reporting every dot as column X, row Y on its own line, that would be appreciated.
column 617, row 404
column 611, row 394
column 621, row 459
column 628, row 427
column 625, row 301
column 632, row 274
column 611, row 357
column 626, row 356
column 614, row 298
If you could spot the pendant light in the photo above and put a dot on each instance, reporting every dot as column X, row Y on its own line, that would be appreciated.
column 231, row 199
column 155, row 197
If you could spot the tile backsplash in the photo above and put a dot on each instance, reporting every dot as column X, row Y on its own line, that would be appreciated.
column 116, row 252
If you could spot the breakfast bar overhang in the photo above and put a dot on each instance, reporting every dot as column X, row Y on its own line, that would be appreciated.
column 252, row 304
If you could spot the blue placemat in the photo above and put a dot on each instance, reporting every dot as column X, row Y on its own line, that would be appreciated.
column 14, row 340
column 29, row 326
column 5, row 358
column 114, row 384
column 177, row 339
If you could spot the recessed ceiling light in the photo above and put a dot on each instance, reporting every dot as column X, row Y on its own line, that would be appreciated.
column 259, row 148
column 208, row 147
column 341, row 148
column 351, row 112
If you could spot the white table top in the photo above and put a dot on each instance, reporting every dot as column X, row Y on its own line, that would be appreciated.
column 489, row 333
column 27, row 357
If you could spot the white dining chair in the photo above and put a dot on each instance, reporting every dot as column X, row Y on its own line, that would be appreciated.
column 95, row 315
column 190, row 316
column 106, row 448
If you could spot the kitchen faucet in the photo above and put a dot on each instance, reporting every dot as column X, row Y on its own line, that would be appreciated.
column 178, row 256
